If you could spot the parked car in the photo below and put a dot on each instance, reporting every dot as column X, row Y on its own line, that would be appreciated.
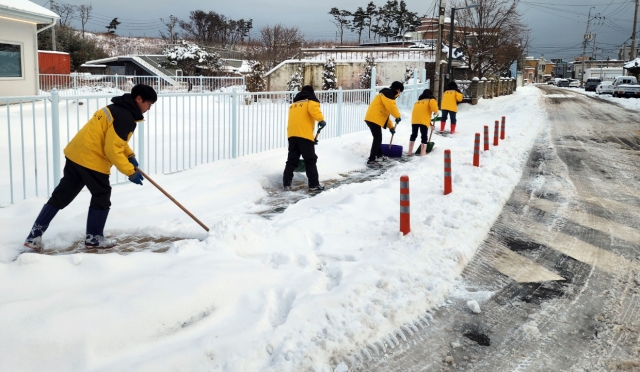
column 591, row 84
column 626, row 86
column 551, row 82
column 574, row 83
column 563, row 83
column 605, row 87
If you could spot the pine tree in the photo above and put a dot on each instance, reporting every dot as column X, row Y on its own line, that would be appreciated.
column 365, row 77
column 408, row 74
column 329, row 78
column 296, row 80
column 191, row 59
column 255, row 79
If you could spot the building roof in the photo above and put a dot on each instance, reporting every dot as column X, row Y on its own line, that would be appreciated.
column 25, row 10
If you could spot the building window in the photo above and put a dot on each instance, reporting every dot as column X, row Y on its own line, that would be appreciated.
column 10, row 60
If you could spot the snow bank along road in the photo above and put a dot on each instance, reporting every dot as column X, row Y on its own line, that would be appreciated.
column 558, row 276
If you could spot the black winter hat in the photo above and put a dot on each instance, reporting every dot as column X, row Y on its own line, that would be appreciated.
column 426, row 94
column 308, row 88
column 396, row 85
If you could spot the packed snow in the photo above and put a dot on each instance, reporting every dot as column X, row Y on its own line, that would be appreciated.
column 305, row 290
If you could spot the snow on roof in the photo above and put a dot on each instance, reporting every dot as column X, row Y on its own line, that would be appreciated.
column 52, row 52
column 24, row 9
column 633, row 64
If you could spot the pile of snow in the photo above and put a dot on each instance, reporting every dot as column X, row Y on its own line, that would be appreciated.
column 303, row 291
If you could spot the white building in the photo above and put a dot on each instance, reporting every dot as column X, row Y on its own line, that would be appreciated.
column 19, row 20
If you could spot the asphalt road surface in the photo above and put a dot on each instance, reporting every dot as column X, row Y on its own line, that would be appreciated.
column 561, row 265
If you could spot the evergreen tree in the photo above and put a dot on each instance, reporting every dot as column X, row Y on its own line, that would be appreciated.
column 359, row 22
column 255, row 79
column 408, row 74
column 111, row 28
column 370, row 14
column 365, row 77
column 329, row 78
column 191, row 59
column 296, row 80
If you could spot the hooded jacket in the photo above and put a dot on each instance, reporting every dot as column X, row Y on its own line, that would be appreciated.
column 383, row 105
column 303, row 114
column 103, row 140
column 423, row 109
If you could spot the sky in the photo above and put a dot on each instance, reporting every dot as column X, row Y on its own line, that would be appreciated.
column 557, row 27
column 306, row 290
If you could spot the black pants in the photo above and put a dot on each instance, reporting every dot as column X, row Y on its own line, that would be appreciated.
column 446, row 113
column 424, row 132
column 301, row 146
column 77, row 177
column 376, row 132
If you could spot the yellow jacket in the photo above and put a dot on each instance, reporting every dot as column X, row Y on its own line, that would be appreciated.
column 102, row 141
column 423, row 110
column 383, row 105
column 450, row 99
column 303, row 115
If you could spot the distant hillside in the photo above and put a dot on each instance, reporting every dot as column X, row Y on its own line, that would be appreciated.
column 116, row 45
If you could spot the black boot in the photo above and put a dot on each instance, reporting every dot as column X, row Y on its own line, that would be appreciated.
column 34, row 240
column 96, row 220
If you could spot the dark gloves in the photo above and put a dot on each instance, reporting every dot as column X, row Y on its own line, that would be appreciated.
column 393, row 131
column 322, row 124
column 132, row 160
column 315, row 141
column 136, row 178
column 397, row 120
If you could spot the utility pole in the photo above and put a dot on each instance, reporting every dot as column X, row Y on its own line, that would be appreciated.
column 633, row 35
column 53, row 30
column 593, row 50
column 584, row 43
column 438, row 78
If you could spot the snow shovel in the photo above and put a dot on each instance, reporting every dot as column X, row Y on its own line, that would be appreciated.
column 429, row 143
column 172, row 199
column 301, row 167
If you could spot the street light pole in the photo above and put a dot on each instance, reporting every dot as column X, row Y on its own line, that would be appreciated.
column 453, row 12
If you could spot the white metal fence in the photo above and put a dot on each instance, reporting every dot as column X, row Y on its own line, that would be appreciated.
column 181, row 131
column 82, row 84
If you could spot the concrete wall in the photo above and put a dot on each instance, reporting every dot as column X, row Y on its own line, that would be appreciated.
column 23, row 34
column 348, row 73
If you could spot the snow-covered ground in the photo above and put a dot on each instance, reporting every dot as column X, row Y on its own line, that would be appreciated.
column 306, row 290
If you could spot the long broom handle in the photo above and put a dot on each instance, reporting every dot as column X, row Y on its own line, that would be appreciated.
column 172, row 199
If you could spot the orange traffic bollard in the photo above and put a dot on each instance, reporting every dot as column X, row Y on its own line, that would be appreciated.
column 476, row 151
column 405, row 216
column 447, row 172
column 495, row 133
column 504, row 120
column 486, row 138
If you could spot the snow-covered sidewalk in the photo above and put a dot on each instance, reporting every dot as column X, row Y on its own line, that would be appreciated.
column 302, row 291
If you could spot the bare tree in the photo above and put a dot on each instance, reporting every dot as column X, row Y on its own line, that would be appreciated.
column 85, row 14
column 493, row 35
column 275, row 44
column 67, row 13
column 171, row 24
